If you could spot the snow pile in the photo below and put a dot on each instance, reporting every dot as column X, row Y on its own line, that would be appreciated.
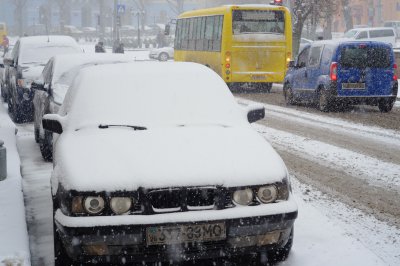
column 14, row 247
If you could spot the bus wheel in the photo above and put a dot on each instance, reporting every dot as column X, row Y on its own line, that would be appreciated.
column 263, row 87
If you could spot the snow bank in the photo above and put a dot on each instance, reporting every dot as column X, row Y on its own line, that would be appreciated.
column 14, row 247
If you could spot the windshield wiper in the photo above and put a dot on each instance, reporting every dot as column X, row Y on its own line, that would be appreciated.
column 134, row 127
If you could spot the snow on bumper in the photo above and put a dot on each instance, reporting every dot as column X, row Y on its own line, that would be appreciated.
column 282, row 207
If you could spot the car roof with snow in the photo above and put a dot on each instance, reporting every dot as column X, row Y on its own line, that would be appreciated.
column 150, row 94
column 337, row 42
column 66, row 62
column 48, row 40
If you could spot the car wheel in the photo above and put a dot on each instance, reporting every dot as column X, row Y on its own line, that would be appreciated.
column 36, row 131
column 385, row 105
column 288, row 94
column 163, row 57
column 15, row 111
column 281, row 254
column 46, row 146
column 323, row 101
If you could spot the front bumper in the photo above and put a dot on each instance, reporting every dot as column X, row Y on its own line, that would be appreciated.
column 123, row 241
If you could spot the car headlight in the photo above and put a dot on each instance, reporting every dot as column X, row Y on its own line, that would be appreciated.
column 120, row 205
column 243, row 196
column 94, row 205
column 267, row 194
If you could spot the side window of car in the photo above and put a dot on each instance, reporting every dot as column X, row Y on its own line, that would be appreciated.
column 362, row 35
column 302, row 58
column 327, row 55
column 315, row 56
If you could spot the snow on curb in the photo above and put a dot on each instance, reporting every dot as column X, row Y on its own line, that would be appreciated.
column 14, row 241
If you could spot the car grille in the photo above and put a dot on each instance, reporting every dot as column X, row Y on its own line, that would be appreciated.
column 183, row 199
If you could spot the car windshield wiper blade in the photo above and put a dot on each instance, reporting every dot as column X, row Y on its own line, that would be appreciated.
column 130, row 126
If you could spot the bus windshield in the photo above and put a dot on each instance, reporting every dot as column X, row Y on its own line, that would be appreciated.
column 258, row 21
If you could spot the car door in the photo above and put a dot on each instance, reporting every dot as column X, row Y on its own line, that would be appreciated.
column 13, row 74
column 41, row 98
column 300, row 71
column 313, row 70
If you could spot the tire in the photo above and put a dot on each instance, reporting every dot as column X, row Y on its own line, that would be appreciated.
column 385, row 105
column 323, row 101
column 15, row 111
column 163, row 57
column 288, row 94
column 46, row 146
column 281, row 254
column 263, row 87
column 36, row 131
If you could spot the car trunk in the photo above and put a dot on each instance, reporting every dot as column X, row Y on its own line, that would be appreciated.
column 365, row 70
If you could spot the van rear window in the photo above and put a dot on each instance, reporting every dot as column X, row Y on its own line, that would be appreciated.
column 362, row 57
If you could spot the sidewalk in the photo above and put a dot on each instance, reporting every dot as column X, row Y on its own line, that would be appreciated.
column 14, row 240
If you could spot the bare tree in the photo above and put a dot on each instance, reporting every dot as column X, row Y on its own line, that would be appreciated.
column 65, row 13
column 301, row 9
column 348, row 19
column 18, row 15
column 176, row 6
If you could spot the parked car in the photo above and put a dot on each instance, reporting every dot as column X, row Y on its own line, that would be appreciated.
column 5, row 83
column 395, row 25
column 332, row 73
column 162, row 54
column 49, row 90
column 163, row 169
column 27, row 61
column 382, row 34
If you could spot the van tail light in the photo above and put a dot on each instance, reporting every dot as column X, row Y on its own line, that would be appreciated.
column 394, row 72
column 333, row 71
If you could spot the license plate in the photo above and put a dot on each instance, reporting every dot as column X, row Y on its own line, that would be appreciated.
column 353, row 86
column 166, row 235
column 258, row 77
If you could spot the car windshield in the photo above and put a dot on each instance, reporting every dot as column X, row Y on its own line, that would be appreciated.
column 350, row 33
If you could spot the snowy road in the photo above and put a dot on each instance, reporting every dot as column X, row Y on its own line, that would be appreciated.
column 345, row 177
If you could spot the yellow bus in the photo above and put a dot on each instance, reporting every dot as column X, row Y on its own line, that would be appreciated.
column 3, row 31
column 242, row 43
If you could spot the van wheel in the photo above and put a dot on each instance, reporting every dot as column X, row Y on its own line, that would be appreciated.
column 323, row 102
column 385, row 105
column 288, row 94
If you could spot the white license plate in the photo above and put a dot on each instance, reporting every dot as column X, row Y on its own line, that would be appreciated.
column 166, row 235
column 353, row 86
column 258, row 77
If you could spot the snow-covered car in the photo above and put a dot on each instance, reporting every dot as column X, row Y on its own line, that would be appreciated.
column 29, row 56
column 162, row 54
column 49, row 90
column 164, row 169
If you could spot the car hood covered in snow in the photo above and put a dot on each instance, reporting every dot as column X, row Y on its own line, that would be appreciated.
column 120, row 158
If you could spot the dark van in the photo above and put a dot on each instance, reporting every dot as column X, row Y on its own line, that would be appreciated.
column 333, row 73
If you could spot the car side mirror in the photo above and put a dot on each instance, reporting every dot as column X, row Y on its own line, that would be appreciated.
column 8, row 61
column 38, row 85
column 167, row 29
column 52, row 123
column 255, row 112
column 301, row 65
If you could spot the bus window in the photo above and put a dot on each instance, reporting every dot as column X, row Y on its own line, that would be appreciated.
column 258, row 21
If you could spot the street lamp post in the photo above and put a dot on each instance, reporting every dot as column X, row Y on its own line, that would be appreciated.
column 138, row 13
